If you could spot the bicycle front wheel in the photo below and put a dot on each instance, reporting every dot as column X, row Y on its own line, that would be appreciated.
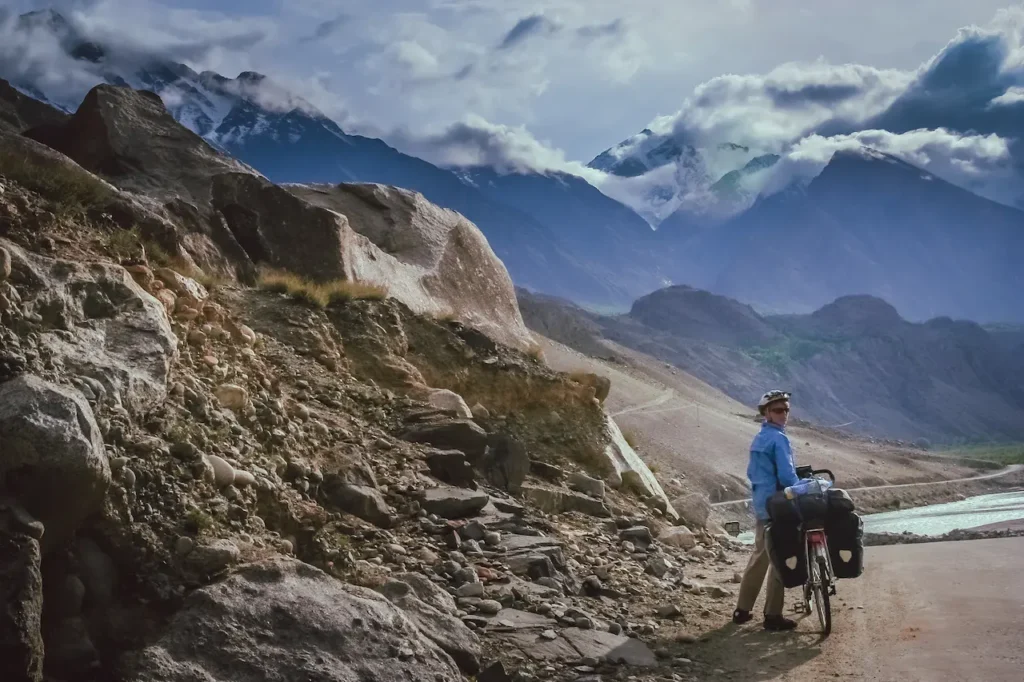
column 819, row 594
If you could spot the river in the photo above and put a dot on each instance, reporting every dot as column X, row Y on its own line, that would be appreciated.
column 937, row 519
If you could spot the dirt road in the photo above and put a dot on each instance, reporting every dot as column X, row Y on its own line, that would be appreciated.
column 920, row 613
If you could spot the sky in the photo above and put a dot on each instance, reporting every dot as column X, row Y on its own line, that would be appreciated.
column 573, row 76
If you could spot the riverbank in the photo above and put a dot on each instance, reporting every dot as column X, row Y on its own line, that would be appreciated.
column 880, row 539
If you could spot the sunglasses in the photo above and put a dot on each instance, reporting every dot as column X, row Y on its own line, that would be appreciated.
column 780, row 410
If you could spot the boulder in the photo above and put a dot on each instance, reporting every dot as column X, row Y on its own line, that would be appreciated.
column 452, row 467
column 453, row 503
column 462, row 435
column 626, row 465
column 53, row 458
column 359, row 500
column 694, row 509
column 585, row 484
column 103, row 326
column 505, row 463
column 285, row 620
column 440, row 625
column 432, row 259
column 678, row 536
column 21, row 604
column 449, row 401
column 556, row 501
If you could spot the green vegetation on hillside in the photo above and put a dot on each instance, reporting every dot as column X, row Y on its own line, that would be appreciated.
column 791, row 350
column 1002, row 453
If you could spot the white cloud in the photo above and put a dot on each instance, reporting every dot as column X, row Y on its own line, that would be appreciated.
column 981, row 163
column 1013, row 95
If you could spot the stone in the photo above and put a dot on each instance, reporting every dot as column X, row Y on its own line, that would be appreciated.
column 474, row 530
column 640, row 536
column 223, row 472
column 21, row 606
column 669, row 611
column 181, row 285
column 658, row 565
column 462, row 435
column 243, row 479
column 211, row 560
column 549, row 472
column 694, row 509
column 427, row 556
column 184, row 545
column 549, row 634
column 492, row 538
column 53, row 455
column 533, row 565
column 494, row 673
column 489, row 607
column 592, row 586
column 359, row 500
column 505, row 463
column 470, row 590
column 678, row 536
column 232, row 397
column 423, row 605
column 605, row 646
column 282, row 619
column 480, row 412
column 718, row 592
column 585, row 484
column 451, row 466
column 122, row 338
column 5, row 264
column 167, row 298
column 737, row 578
column 555, row 501
column 449, row 401
column 453, row 503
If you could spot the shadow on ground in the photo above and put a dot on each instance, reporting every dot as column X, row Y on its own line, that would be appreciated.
column 750, row 654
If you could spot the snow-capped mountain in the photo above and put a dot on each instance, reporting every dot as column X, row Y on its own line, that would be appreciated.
column 661, row 174
column 556, row 233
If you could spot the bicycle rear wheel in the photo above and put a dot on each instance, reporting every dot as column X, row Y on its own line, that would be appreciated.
column 820, row 596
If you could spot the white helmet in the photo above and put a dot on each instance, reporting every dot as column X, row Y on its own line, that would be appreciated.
column 771, row 397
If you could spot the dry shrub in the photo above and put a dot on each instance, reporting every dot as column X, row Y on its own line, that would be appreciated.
column 318, row 294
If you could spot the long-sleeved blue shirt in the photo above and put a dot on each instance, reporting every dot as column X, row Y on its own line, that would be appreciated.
column 771, row 466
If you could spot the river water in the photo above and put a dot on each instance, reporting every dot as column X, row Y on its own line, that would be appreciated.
column 937, row 519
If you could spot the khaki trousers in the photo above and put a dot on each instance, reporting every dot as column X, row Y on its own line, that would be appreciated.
column 753, row 577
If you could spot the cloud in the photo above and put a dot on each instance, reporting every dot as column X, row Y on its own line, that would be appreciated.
column 535, row 24
column 327, row 28
column 478, row 142
column 980, row 163
column 614, row 28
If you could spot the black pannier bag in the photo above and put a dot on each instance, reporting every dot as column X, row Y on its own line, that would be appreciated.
column 839, row 502
column 801, row 509
column 845, row 533
column 785, row 544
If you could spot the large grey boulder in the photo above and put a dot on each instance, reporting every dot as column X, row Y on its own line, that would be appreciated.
column 431, row 258
column 101, row 326
column 21, row 603
column 435, row 617
column 51, row 455
column 285, row 620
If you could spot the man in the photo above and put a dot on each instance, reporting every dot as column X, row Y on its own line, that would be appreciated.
column 771, row 468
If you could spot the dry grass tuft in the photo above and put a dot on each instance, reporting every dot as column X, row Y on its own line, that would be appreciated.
column 73, row 191
column 318, row 295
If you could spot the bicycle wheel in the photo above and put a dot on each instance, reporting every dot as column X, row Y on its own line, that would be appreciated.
column 822, row 605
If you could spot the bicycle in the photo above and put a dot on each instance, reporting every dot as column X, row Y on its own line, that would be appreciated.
column 821, row 581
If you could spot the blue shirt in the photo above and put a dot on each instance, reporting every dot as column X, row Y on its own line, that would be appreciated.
column 771, row 466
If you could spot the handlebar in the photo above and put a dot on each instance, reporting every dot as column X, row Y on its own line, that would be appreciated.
column 831, row 476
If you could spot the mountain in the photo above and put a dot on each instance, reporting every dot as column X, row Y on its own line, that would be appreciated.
column 869, row 223
column 854, row 362
column 290, row 141
column 664, row 178
column 19, row 111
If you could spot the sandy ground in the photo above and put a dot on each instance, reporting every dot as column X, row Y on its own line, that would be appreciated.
column 919, row 613
column 688, row 430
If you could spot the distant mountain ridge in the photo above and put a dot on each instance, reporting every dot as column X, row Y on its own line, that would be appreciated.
column 854, row 362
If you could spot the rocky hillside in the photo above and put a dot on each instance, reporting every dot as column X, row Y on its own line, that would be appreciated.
column 242, row 414
column 854, row 363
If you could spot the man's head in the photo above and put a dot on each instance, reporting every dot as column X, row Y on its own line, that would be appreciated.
column 774, row 405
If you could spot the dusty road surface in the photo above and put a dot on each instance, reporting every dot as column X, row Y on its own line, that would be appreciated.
column 920, row 613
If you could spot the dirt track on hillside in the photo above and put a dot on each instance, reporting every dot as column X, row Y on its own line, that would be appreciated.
column 690, row 431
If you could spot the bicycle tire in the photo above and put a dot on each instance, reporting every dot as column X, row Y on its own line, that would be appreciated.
column 822, row 603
